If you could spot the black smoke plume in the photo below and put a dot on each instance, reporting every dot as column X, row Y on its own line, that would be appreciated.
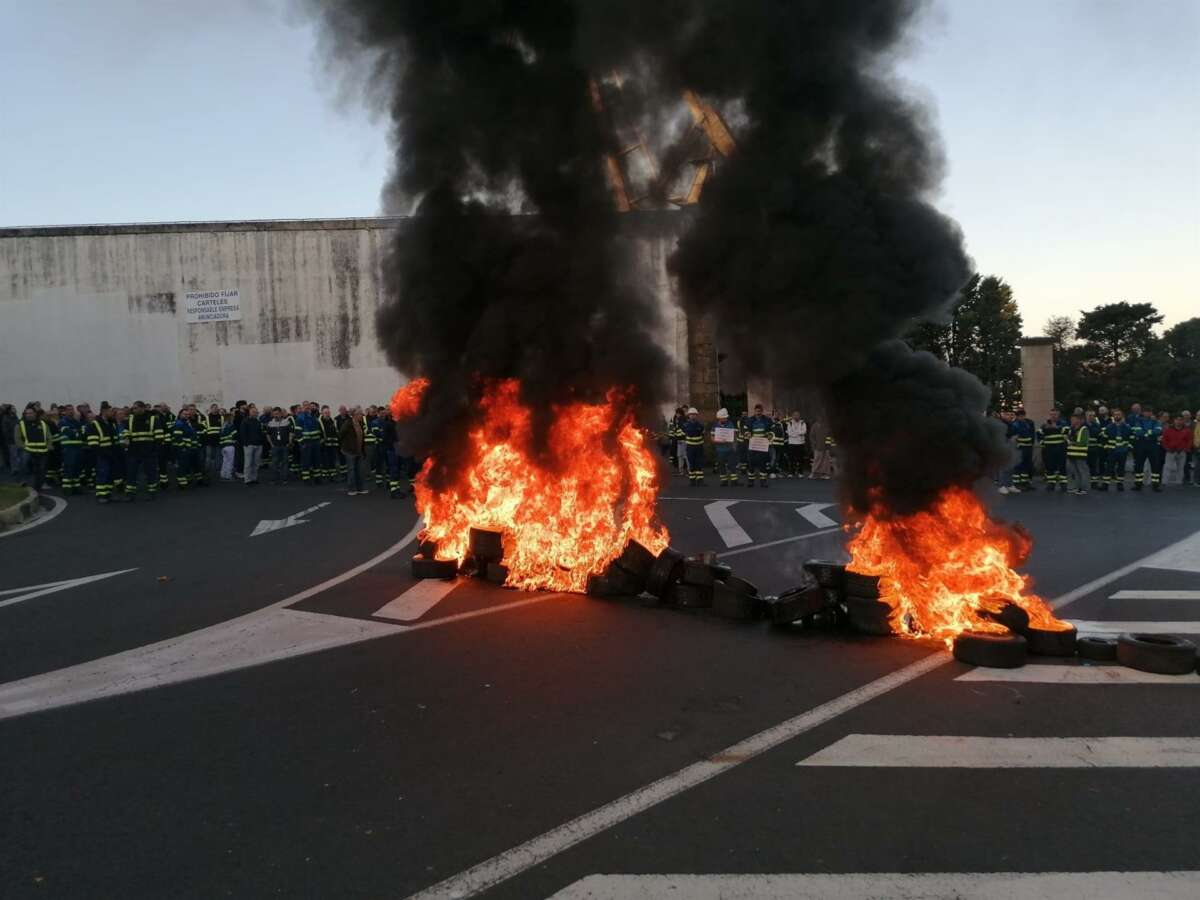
column 815, row 245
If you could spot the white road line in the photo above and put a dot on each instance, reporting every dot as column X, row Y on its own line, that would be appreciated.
column 59, row 504
column 787, row 540
column 893, row 885
column 40, row 590
column 417, row 600
column 741, row 500
column 513, row 862
column 731, row 532
column 1182, row 556
column 812, row 512
column 906, row 751
column 1075, row 674
column 1084, row 626
column 268, row 525
column 1155, row 595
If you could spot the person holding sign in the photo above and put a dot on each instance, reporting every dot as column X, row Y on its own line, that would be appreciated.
column 693, row 438
column 724, row 434
column 758, row 453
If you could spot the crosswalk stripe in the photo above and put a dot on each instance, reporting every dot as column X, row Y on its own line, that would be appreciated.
column 894, row 885
column 727, row 527
column 1155, row 595
column 1089, row 626
column 962, row 752
column 813, row 515
column 417, row 600
column 1073, row 674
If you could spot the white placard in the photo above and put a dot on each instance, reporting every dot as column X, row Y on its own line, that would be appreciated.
column 724, row 435
column 213, row 306
column 760, row 445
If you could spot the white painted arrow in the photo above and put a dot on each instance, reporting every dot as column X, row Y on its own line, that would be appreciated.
column 268, row 525
column 731, row 532
column 38, row 590
column 816, row 518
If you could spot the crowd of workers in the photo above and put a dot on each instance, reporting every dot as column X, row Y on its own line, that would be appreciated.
column 117, row 452
column 1095, row 449
column 754, row 447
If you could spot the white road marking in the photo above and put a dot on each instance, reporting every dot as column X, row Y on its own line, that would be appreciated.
column 787, row 540
column 513, row 862
column 812, row 512
column 58, row 505
column 1085, row 626
column 1155, row 595
column 269, row 525
column 742, row 500
column 39, row 590
column 417, row 600
column 1074, row 674
column 731, row 532
column 893, row 885
column 890, row 751
column 1182, row 556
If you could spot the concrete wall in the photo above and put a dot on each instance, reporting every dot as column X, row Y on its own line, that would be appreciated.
column 97, row 312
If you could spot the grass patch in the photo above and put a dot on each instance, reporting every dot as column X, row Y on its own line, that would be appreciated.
column 11, row 495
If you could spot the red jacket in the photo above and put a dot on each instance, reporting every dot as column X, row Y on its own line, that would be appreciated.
column 1176, row 439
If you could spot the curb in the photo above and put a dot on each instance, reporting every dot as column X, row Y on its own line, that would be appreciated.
column 22, row 511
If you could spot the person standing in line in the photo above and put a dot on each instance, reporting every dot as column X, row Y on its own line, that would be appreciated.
column 1022, row 430
column 116, row 459
column 822, row 466
column 1097, row 423
column 280, row 436
column 8, row 440
column 328, row 432
column 777, row 464
column 1147, row 433
column 758, row 445
column 144, row 436
column 70, row 441
column 182, row 436
column 797, row 439
column 1176, row 444
column 724, row 433
column 1053, row 438
column 693, row 442
column 229, row 446
column 34, row 439
column 352, row 443
column 213, row 424
column 1116, row 439
column 252, row 438
column 100, row 435
column 1078, row 476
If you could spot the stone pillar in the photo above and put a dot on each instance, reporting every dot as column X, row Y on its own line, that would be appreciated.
column 703, row 390
column 1037, row 377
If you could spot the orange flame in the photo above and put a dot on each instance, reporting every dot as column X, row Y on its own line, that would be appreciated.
column 407, row 400
column 939, row 567
column 564, row 520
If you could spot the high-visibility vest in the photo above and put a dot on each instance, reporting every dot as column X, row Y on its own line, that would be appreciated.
column 32, row 446
column 1078, row 448
column 98, row 435
column 149, row 436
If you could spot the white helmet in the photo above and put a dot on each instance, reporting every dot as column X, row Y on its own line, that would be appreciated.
column 692, row 411
column 722, row 413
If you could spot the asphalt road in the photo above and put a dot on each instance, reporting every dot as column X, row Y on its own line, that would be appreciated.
column 290, row 714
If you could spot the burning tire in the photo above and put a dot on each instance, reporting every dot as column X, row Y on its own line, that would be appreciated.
column 428, row 549
column 486, row 544
column 497, row 573
column 433, row 568
column 1102, row 649
column 992, row 651
column 720, row 570
column 1158, row 653
column 1044, row 642
column 869, row 616
column 740, row 585
column 601, row 586
column 636, row 560
column 829, row 574
column 664, row 571
column 1010, row 616
column 857, row 584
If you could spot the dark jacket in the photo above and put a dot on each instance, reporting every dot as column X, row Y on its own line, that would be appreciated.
column 251, row 432
column 350, row 437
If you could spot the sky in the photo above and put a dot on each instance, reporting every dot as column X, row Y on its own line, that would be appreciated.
column 1071, row 130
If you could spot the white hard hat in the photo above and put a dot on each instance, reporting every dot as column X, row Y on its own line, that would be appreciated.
column 692, row 411
column 722, row 413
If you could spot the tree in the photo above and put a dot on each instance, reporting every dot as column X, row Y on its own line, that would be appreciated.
column 1182, row 344
column 1062, row 330
column 1119, row 332
column 982, row 336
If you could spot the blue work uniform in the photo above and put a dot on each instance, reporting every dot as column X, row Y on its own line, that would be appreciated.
column 758, row 461
column 1147, row 435
column 1053, row 438
column 70, row 442
column 726, row 453
column 693, row 440
column 1023, row 431
column 1117, row 440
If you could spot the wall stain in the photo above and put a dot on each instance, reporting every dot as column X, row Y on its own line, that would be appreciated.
column 162, row 303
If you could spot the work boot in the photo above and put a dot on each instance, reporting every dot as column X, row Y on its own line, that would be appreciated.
column 1050, row 487
column 1104, row 487
column 1120, row 486
column 1157, row 487
column 1137, row 485
column 1063, row 487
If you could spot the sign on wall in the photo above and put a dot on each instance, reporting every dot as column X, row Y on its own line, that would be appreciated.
column 213, row 306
